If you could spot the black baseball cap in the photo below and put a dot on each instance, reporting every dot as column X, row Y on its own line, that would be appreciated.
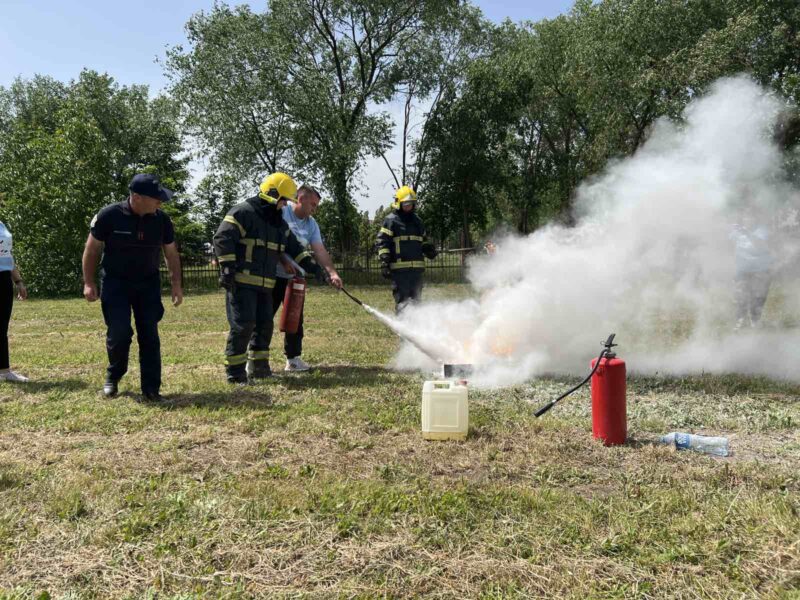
column 149, row 185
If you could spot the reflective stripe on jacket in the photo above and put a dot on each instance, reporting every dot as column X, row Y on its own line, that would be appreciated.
column 401, row 241
column 252, row 237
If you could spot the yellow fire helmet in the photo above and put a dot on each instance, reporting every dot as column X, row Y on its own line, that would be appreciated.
column 404, row 194
column 277, row 186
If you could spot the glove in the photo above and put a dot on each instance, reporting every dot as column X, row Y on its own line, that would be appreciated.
column 386, row 271
column 430, row 252
column 227, row 277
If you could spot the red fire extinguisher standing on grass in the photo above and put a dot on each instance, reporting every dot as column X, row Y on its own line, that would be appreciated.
column 609, row 420
column 293, row 305
column 609, row 417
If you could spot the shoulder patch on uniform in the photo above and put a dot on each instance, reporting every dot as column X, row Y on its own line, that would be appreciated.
column 94, row 221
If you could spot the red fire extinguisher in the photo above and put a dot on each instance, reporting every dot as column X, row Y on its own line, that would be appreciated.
column 609, row 417
column 609, row 421
column 293, row 301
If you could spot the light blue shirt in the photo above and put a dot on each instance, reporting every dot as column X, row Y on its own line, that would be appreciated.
column 6, row 245
column 753, row 253
column 305, row 230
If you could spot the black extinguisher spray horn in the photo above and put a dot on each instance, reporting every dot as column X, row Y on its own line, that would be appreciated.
column 607, row 352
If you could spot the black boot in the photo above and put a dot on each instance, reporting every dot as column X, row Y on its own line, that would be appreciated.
column 259, row 369
column 236, row 375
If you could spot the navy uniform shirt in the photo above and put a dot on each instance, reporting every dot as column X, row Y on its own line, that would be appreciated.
column 132, row 243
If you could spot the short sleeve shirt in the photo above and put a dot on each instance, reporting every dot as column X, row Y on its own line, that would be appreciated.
column 132, row 242
column 6, row 245
column 305, row 230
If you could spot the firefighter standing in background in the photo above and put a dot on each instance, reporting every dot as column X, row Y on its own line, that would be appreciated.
column 249, row 244
column 401, row 247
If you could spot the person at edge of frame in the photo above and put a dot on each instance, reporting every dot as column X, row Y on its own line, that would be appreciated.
column 10, row 282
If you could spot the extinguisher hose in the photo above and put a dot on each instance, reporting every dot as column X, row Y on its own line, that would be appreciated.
column 353, row 298
column 605, row 351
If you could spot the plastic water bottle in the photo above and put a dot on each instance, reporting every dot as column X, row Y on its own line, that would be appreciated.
column 699, row 443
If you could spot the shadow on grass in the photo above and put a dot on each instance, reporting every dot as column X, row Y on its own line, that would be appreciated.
column 638, row 442
column 34, row 387
column 247, row 397
column 336, row 376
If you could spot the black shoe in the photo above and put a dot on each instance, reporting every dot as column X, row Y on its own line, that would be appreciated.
column 237, row 380
column 152, row 397
column 110, row 388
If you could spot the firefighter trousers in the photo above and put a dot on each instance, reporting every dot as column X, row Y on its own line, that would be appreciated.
column 249, row 314
column 406, row 287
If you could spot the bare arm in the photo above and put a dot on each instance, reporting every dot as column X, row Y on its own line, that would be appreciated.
column 91, row 254
column 324, row 259
column 173, row 261
column 22, row 291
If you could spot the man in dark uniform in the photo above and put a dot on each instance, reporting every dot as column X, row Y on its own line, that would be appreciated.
column 248, row 244
column 130, row 235
column 401, row 246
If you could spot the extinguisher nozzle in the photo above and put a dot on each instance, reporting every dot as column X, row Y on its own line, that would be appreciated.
column 544, row 409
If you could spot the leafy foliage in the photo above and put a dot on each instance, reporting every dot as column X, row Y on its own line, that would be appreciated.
column 66, row 150
column 552, row 102
column 213, row 197
column 293, row 88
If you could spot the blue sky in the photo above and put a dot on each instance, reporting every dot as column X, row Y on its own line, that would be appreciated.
column 59, row 38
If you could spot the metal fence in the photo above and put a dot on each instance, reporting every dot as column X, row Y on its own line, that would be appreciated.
column 354, row 269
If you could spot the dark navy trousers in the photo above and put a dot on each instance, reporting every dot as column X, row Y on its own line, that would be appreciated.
column 406, row 287
column 118, row 298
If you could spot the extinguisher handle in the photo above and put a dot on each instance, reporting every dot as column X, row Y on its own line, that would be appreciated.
column 544, row 409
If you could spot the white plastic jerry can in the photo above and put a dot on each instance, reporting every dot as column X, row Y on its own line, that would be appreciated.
column 445, row 410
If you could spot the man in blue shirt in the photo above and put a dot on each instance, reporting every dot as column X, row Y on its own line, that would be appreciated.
column 299, row 216
column 754, row 264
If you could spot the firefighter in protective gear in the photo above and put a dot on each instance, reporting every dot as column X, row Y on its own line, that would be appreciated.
column 402, row 244
column 248, row 245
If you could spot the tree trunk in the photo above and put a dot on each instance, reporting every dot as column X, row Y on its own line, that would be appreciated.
column 466, row 241
column 341, row 197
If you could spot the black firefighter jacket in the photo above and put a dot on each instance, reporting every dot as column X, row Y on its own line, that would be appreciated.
column 402, row 241
column 253, row 236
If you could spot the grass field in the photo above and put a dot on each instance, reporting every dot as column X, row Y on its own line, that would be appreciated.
column 319, row 485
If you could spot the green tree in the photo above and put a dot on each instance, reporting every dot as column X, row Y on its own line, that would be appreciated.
column 298, row 87
column 552, row 102
column 66, row 151
column 354, row 54
column 213, row 197
column 232, row 87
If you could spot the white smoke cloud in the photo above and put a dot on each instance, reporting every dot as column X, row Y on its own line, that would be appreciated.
column 650, row 259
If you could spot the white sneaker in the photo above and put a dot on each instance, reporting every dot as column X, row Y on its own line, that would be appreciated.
column 296, row 364
column 12, row 376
